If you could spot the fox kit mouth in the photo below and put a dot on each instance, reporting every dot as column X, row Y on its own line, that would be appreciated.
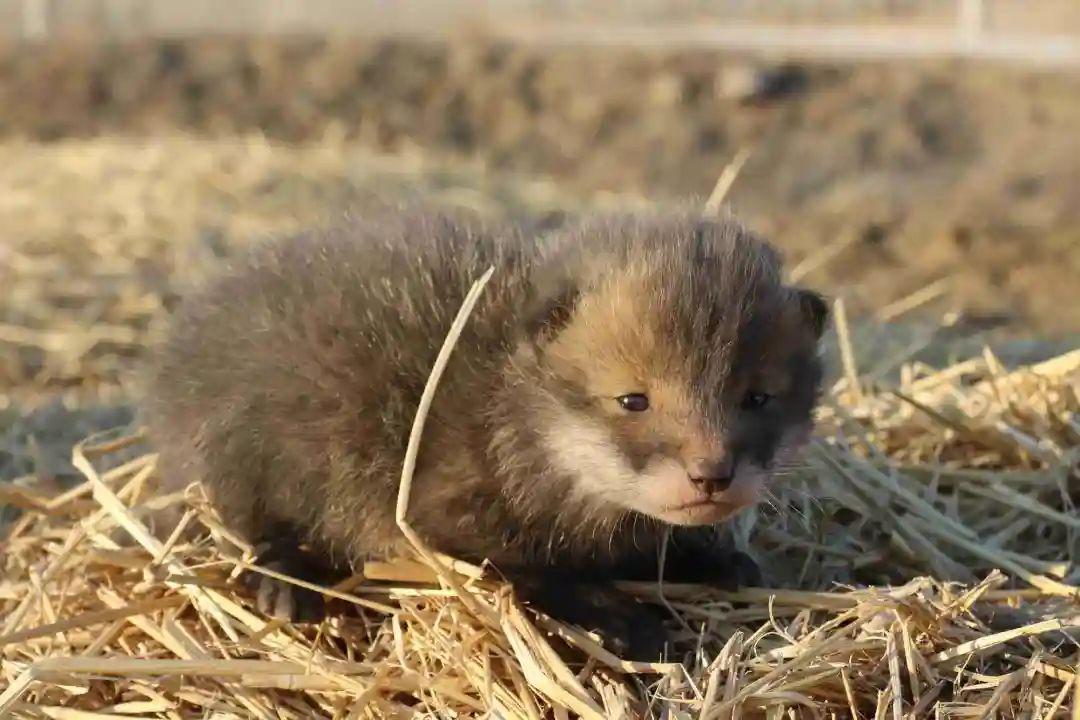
column 702, row 503
column 700, row 512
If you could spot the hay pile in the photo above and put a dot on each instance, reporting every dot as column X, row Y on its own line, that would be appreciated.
column 967, row 474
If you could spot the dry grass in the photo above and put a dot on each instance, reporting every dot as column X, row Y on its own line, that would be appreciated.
column 967, row 474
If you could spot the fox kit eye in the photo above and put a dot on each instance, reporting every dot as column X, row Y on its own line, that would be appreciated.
column 634, row 402
column 755, row 400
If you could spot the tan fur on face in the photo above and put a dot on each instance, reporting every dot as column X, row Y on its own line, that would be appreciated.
column 634, row 461
column 616, row 343
column 607, row 346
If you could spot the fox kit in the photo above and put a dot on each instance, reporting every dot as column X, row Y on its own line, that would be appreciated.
column 621, row 379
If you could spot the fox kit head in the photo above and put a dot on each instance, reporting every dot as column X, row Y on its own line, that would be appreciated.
column 674, row 372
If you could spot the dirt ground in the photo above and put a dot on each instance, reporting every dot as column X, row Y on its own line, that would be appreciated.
column 123, row 169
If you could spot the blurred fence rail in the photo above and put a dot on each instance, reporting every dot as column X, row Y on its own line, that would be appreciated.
column 1038, row 31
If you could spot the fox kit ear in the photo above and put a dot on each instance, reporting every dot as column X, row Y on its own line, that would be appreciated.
column 550, row 311
column 815, row 310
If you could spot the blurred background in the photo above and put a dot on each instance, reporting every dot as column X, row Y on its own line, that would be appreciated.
column 919, row 159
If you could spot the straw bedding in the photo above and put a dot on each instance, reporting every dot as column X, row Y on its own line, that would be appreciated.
column 922, row 565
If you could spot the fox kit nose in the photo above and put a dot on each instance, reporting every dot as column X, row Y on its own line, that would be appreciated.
column 712, row 475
